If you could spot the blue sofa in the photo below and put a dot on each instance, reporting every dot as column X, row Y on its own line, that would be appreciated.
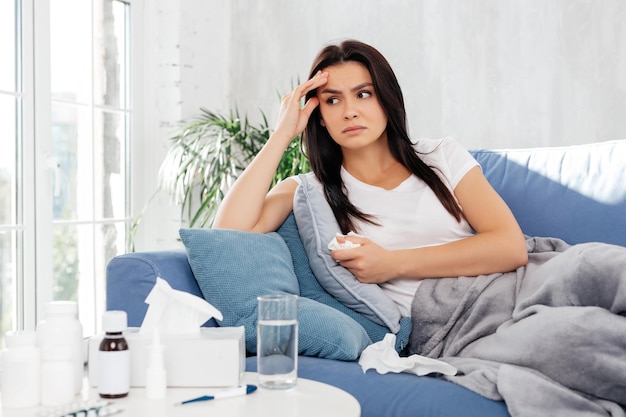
column 576, row 193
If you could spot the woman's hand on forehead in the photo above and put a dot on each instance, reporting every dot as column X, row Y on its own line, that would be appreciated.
column 293, row 117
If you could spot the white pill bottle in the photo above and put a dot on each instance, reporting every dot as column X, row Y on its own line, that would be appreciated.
column 61, row 330
column 20, row 364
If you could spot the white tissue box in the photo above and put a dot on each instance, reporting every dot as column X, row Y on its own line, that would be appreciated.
column 213, row 358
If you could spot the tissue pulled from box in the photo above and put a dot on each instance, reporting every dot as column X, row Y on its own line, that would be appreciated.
column 176, row 312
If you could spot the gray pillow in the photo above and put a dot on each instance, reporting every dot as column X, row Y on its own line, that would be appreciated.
column 317, row 226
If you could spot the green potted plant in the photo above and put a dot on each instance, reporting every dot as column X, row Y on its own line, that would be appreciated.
column 206, row 156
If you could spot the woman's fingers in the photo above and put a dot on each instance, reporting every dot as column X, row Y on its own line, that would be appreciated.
column 314, row 82
column 306, row 87
column 310, row 105
column 293, row 117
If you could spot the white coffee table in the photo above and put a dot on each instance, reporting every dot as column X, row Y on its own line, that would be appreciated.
column 308, row 399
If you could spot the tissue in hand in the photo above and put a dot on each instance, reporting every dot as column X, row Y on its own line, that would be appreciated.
column 194, row 356
column 334, row 245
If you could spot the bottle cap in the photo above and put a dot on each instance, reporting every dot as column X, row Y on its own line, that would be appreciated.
column 20, row 338
column 61, row 308
column 155, row 360
column 114, row 321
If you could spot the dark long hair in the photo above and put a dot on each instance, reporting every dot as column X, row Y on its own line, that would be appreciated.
column 325, row 154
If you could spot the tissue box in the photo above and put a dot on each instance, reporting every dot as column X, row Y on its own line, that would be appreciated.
column 213, row 358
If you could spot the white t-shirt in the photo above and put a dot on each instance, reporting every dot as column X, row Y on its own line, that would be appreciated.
column 411, row 215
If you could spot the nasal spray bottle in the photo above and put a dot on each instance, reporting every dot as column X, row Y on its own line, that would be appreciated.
column 156, row 375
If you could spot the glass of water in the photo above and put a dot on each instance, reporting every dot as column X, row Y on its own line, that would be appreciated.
column 277, row 341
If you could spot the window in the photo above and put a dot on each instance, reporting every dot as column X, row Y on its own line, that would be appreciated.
column 10, row 196
column 73, row 168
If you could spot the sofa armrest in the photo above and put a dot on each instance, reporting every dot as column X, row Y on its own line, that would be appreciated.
column 131, row 277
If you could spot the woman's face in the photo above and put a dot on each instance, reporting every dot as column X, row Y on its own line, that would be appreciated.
column 349, row 106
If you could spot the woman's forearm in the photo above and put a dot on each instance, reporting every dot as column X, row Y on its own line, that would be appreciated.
column 483, row 253
column 243, row 204
column 247, row 205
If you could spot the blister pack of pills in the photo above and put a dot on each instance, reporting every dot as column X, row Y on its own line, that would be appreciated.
column 98, row 408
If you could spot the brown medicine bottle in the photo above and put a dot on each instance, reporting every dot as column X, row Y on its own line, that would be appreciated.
column 114, row 357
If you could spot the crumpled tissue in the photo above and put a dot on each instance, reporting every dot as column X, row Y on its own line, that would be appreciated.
column 334, row 245
column 383, row 357
column 176, row 312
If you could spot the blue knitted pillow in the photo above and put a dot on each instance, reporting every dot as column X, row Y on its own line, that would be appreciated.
column 311, row 288
column 233, row 268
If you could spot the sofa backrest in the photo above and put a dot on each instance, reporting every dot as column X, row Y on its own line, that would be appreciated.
column 576, row 193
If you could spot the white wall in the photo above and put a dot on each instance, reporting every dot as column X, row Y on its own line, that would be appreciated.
column 185, row 66
column 493, row 73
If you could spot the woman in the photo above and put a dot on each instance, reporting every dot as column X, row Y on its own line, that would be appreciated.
column 445, row 219
column 425, row 210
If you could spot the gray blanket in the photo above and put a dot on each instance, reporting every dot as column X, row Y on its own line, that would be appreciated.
column 548, row 338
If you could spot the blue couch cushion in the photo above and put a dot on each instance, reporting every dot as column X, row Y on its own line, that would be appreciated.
column 311, row 288
column 233, row 268
column 575, row 193
column 397, row 394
